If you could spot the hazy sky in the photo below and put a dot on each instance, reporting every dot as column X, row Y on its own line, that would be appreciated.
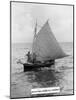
column 24, row 16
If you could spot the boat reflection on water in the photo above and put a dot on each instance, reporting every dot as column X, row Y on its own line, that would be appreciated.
column 44, row 78
column 48, row 77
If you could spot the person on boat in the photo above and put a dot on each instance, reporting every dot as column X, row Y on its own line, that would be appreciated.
column 28, row 56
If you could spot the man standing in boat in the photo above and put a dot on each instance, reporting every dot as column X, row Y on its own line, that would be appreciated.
column 31, row 58
column 28, row 56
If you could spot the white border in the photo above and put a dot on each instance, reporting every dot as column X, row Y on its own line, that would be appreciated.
column 5, row 49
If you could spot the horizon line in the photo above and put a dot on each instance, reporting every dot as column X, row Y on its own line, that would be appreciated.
column 31, row 42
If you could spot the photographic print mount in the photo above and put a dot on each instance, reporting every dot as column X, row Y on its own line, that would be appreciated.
column 41, row 50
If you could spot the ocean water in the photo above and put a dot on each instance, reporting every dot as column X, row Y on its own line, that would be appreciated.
column 60, row 74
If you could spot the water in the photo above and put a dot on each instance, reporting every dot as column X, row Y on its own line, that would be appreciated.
column 60, row 74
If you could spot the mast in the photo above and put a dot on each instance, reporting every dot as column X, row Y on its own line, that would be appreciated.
column 34, row 38
column 35, row 31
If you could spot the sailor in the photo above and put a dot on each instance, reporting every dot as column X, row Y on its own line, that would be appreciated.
column 28, row 56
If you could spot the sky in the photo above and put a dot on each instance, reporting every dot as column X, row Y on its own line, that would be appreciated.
column 24, row 16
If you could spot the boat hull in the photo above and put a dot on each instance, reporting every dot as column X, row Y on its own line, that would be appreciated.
column 30, row 67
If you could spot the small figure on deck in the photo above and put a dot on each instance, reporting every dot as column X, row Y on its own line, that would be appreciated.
column 28, row 56
column 31, row 57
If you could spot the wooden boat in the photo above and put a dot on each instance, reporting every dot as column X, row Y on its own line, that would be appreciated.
column 45, row 47
column 36, row 66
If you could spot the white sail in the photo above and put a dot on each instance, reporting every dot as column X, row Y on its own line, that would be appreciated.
column 45, row 46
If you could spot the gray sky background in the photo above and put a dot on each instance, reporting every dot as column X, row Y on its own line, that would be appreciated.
column 24, row 16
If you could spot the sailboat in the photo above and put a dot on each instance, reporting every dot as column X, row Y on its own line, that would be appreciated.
column 45, row 47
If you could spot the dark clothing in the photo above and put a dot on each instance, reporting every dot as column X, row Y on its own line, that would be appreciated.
column 28, row 57
column 31, row 58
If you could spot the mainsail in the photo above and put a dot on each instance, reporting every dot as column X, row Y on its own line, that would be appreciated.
column 45, row 45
